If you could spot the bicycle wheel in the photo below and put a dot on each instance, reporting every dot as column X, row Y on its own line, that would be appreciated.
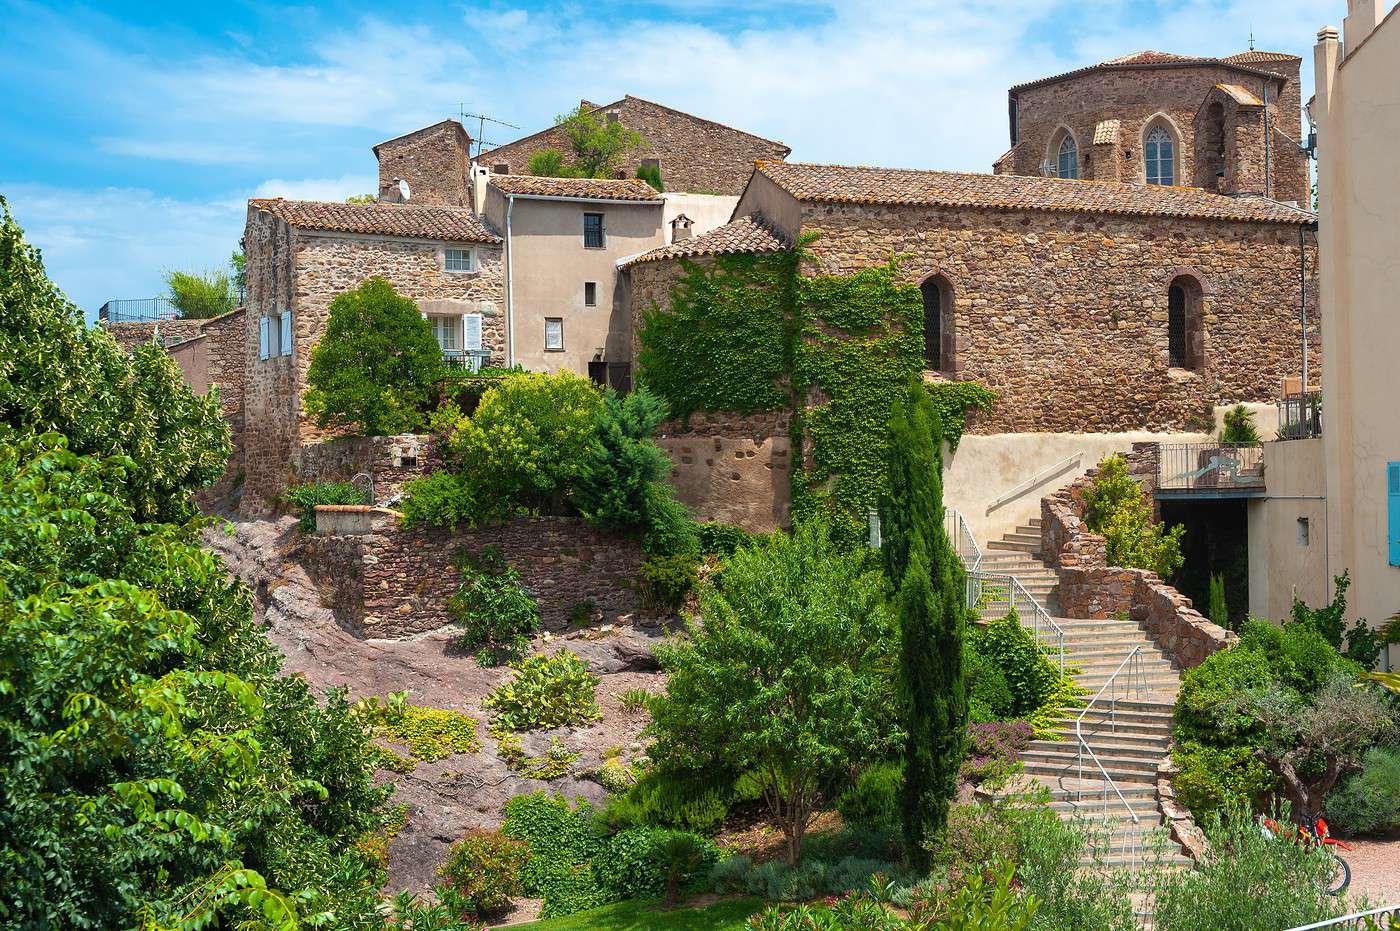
column 1341, row 876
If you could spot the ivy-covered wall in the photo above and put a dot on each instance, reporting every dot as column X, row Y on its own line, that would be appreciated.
column 750, row 333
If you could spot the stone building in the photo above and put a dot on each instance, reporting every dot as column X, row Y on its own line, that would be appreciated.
column 1098, row 311
column 301, row 254
column 1230, row 125
column 695, row 155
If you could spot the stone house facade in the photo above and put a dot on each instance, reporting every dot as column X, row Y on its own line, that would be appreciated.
column 695, row 155
column 300, row 255
column 434, row 163
column 1229, row 125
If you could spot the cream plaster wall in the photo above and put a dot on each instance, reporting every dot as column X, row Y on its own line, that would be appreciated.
column 1281, row 565
column 1358, row 114
column 706, row 211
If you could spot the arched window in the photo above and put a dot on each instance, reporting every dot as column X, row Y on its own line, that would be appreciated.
column 1185, row 333
column 938, row 323
column 1160, row 156
column 1067, row 161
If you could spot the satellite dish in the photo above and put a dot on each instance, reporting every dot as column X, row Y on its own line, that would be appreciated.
column 403, row 191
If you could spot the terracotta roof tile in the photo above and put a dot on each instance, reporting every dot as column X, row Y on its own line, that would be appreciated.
column 1242, row 95
column 1244, row 58
column 1151, row 59
column 592, row 188
column 746, row 234
column 413, row 221
column 895, row 186
column 1106, row 132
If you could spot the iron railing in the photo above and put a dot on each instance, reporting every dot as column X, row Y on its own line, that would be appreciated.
column 467, row 360
column 144, row 310
column 992, row 590
column 1044, row 475
column 1300, row 416
column 1376, row 919
column 1209, row 467
column 965, row 545
column 1135, row 682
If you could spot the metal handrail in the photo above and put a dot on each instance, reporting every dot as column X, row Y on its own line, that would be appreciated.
column 1133, row 662
column 1389, row 911
column 1018, row 597
column 1042, row 476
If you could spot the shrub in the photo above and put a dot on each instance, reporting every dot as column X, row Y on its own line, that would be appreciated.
column 651, row 174
column 438, row 499
column 200, row 295
column 429, row 733
column 1206, row 688
column 1369, row 801
column 1029, row 676
column 546, row 691
column 1299, row 655
column 718, row 539
column 1121, row 512
column 669, row 529
column 697, row 800
column 376, row 365
column 563, row 841
column 1050, row 868
column 484, row 870
column 873, row 799
column 1238, row 428
column 622, row 461
column 1216, row 609
column 667, row 581
column 993, row 750
column 307, row 495
column 491, row 606
column 636, row 863
column 988, row 694
column 1211, row 778
column 1359, row 643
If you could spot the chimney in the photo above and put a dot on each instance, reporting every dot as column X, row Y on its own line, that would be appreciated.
column 480, row 176
column 680, row 227
column 391, row 191
column 1325, row 54
column 1362, row 17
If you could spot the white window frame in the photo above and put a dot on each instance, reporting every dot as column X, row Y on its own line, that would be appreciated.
column 547, row 322
column 1156, row 136
column 284, row 336
column 446, row 329
column 468, row 256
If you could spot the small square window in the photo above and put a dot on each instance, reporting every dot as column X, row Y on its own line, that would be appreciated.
column 554, row 334
column 460, row 260
column 590, row 294
column 593, row 231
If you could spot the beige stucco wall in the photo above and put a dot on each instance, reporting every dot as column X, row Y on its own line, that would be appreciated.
column 706, row 211
column 548, row 266
column 1358, row 111
column 1281, row 565
column 193, row 359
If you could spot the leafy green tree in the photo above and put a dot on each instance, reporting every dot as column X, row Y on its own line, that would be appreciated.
column 597, row 146
column 362, row 199
column 200, row 295
column 920, row 561
column 1215, row 606
column 58, row 374
column 1120, row 511
column 238, row 262
column 1358, row 642
column 549, row 163
column 651, row 174
column 788, row 680
column 376, row 365
column 1239, row 429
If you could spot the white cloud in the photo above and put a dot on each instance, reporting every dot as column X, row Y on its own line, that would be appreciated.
column 334, row 189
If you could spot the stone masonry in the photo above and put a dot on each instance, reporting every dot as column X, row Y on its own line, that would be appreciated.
column 395, row 581
column 434, row 161
column 732, row 469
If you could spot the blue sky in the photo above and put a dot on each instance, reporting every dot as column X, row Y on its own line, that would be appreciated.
column 134, row 133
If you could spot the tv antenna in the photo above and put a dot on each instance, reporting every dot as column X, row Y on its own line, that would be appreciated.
column 1251, row 38
column 481, row 121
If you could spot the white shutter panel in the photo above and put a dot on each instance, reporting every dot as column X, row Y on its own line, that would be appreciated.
column 471, row 331
column 286, row 340
column 262, row 337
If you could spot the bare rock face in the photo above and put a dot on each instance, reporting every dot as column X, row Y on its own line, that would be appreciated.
column 447, row 797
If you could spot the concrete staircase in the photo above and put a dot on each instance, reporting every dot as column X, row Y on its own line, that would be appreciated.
column 1128, row 728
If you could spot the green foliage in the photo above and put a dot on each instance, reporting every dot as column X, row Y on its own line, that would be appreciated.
column 238, row 265
column 377, row 364
column 438, row 499
column 1206, row 688
column 484, row 869
column 556, row 763
column 695, row 799
column 305, row 496
column 789, row 680
column 1023, row 665
column 1361, row 643
column 1120, row 511
column 651, row 174
column 1239, row 429
column 563, row 841
column 429, row 733
column 952, row 400
column 667, row 581
column 597, row 145
column 549, row 163
column 546, row 691
column 718, row 539
column 57, row 374
column 919, row 560
column 726, row 342
column 873, row 799
column 200, row 295
column 362, row 199
column 1212, row 778
column 491, row 605
column 1369, row 801
column 1246, row 880
column 725, row 915
column 1216, row 609
column 637, row 863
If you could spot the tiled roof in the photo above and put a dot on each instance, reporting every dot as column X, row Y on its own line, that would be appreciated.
column 1242, row 95
column 896, row 186
column 592, row 188
column 746, row 234
column 1151, row 59
column 1106, row 132
column 412, row 221
column 1244, row 58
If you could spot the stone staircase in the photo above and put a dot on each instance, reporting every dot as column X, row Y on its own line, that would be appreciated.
column 1128, row 729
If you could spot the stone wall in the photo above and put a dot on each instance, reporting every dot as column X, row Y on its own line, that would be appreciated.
column 435, row 161
column 1065, row 315
column 1090, row 588
column 169, row 332
column 1172, row 95
column 696, row 155
column 732, row 469
column 391, row 461
column 395, row 581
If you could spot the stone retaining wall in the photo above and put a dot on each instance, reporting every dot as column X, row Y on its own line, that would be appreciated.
column 732, row 469
column 394, row 581
column 391, row 461
column 1090, row 588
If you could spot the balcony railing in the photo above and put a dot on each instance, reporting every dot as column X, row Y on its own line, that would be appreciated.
column 1300, row 416
column 465, row 360
column 1210, row 468
column 144, row 310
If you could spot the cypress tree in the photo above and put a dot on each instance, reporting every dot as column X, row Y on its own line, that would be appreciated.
column 921, row 563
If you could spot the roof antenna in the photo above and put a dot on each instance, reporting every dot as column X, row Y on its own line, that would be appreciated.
column 481, row 121
column 1251, row 38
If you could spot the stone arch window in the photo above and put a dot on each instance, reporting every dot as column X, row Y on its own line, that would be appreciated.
column 1185, row 324
column 1063, row 157
column 938, row 323
column 1159, row 155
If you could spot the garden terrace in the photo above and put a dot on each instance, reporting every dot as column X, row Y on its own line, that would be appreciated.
column 1209, row 470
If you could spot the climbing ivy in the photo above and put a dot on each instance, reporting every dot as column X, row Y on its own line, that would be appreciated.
column 750, row 333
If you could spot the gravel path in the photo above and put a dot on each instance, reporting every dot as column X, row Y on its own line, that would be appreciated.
column 1375, row 869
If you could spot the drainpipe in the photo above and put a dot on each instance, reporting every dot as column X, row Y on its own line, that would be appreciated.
column 510, row 292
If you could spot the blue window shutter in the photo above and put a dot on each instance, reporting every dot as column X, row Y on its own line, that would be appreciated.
column 286, row 335
column 262, row 337
column 1392, row 487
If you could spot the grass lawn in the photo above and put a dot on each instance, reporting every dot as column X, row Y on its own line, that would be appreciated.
column 726, row 915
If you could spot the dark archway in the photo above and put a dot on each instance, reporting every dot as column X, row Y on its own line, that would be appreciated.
column 938, row 323
column 1185, row 326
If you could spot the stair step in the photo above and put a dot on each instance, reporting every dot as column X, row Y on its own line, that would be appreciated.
column 1118, row 775
column 1113, row 743
column 1122, row 715
column 1015, row 545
